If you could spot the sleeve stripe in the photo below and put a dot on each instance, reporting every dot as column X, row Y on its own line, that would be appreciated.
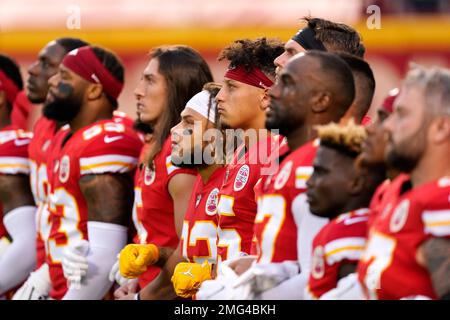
column 107, row 168
column 107, row 164
column 14, row 165
column 349, row 253
column 346, row 248
column 106, row 159
column 170, row 166
column 339, row 250
column 437, row 222
column 344, row 243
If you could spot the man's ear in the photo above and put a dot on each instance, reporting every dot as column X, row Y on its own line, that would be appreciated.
column 356, row 185
column 441, row 130
column 94, row 91
column 265, row 100
column 321, row 101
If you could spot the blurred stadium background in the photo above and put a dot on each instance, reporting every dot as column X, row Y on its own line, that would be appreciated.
column 411, row 30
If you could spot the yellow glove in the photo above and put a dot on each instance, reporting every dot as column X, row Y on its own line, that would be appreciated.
column 134, row 259
column 187, row 277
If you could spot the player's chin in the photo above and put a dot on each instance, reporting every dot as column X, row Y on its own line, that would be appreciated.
column 313, row 204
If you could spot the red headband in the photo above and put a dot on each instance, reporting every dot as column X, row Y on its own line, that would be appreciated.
column 10, row 88
column 255, row 77
column 388, row 103
column 85, row 63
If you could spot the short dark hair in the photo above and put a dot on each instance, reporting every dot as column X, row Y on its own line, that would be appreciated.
column 114, row 66
column 10, row 67
column 259, row 53
column 185, row 72
column 364, row 81
column 338, row 76
column 70, row 44
column 337, row 36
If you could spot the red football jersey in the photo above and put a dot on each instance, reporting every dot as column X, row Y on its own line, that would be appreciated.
column 199, row 236
column 376, row 201
column 153, row 211
column 340, row 242
column 275, row 226
column 102, row 147
column 388, row 269
column 13, row 157
column 43, row 132
column 237, row 201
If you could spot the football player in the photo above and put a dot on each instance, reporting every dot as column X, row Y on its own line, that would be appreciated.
column 38, row 284
column 89, row 166
column 242, row 104
column 198, row 240
column 314, row 88
column 364, row 89
column 343, row 196
column 406, row 256
column 323, row 35
column 173, row 75
column 18, row 258
column 371, row 157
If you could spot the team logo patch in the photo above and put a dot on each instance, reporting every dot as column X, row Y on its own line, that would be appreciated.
column 399, row 216
column 64, row 169
column 241, row 178
column 211, row 202
column 318, row 263
column 283, row 176
column 149, row 175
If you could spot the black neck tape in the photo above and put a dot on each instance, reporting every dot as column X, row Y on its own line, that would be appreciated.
column 306, row 38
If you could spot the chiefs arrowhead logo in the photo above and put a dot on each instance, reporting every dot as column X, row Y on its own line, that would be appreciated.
column 241, row 178
column 211, row 202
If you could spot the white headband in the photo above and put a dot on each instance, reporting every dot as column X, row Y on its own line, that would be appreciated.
column 200, row 103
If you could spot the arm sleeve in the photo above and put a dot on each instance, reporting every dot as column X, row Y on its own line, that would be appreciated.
column 19, row 258
column 105, row 242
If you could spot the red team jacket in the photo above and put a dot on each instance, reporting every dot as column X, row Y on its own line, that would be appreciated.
column 153, row 212
column 388, row 268
column 340, row 242
column 199, row 236
column 102, row 147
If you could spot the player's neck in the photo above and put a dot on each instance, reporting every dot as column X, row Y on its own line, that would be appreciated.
column 429, row 169
column 300, row 136
column 87, row 117
column 207, row 171
column 356, row 204
column 4, row 122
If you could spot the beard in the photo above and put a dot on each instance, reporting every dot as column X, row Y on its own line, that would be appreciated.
column 284, row 122
column 64, row 107
column 405, row 155
column 142, row 126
